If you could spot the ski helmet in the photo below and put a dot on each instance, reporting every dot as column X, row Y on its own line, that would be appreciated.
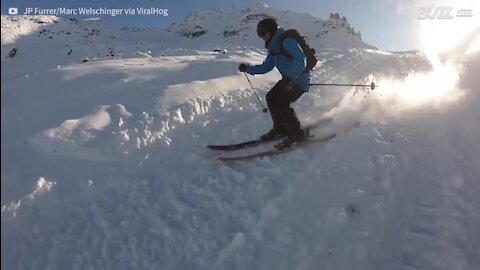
column 265, row 26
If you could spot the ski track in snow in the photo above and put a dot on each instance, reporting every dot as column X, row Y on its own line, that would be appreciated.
column 175, row 208
column 122, row 179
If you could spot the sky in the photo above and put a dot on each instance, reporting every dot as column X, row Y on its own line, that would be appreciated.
column 386, row 24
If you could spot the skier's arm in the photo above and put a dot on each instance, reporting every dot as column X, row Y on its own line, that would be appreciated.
column 265, row 67
column 298, row 58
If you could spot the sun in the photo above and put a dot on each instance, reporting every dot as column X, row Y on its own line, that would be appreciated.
column 445, row 42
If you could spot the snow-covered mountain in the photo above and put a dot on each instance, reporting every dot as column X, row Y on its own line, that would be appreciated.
column 218, row 26
column 60, row 41
column 104, row 163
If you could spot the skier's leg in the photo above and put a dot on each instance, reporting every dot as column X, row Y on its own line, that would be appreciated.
column 284, row 96
column 291, row 120
column 274, row 102
column 295, row 133
column 279, row 128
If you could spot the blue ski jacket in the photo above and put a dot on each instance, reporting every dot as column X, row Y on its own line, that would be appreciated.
column 292, row 67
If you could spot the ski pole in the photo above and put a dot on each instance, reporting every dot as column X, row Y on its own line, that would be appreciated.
column 265, row 110
column 372, row 85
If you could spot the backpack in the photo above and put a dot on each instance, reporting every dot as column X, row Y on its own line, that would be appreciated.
column 309, row 52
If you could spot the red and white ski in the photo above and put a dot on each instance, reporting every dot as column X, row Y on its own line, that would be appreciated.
column 257, row 142
column 277, row 151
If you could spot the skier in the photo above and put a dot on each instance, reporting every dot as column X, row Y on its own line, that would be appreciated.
column 286, row 53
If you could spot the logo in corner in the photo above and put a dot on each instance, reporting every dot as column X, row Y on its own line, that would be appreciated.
column 13, row 11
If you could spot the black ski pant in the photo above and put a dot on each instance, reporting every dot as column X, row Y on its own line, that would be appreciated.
column 279, row 99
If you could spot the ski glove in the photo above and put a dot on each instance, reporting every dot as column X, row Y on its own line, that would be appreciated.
column 242, row 67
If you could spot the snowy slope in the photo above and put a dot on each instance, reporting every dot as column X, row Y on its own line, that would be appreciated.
column 48, row 42
column 104, row 165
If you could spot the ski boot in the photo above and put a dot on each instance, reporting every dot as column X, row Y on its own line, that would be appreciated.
column 293, row 137
column 273, row 134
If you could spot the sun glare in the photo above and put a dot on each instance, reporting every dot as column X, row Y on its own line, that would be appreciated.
column 437, row 36
column 452, row 38
column 434, row 87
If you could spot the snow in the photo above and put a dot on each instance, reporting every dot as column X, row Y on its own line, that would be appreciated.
column 42, row 186
column 104, row 164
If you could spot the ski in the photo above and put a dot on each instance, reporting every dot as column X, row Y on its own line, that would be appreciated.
column 276, row 151
column 242, row 145
column 258, row 142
